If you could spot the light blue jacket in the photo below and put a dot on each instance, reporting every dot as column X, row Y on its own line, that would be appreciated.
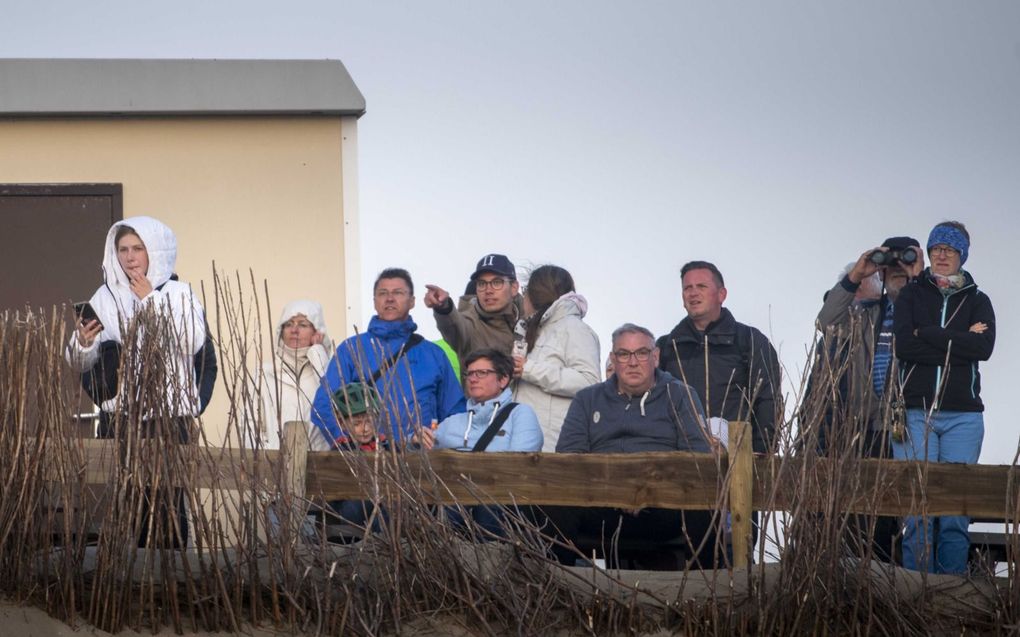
column 520, row 432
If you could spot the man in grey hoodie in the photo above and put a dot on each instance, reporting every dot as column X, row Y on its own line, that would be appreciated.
column 640, row 408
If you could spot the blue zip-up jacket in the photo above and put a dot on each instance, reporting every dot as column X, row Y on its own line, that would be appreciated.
column 420, row 387
column 938, row 353
column 520, row 432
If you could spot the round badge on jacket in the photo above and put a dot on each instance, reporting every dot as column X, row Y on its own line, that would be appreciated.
column 595, row 417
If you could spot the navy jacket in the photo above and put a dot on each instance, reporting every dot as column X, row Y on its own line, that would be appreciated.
column 602, row 420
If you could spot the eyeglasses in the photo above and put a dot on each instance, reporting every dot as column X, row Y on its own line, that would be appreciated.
column 495, row 284
column 624, row 356
column 302, row 325
column 479, row 373
column 397, row 294
column 943, row 250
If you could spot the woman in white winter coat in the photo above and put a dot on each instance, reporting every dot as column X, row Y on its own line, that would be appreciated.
column 138, row 263
column 141, row 306
column 289, row 381
column 562, row 351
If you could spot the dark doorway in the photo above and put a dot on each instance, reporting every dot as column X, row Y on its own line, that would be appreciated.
column 53, row 241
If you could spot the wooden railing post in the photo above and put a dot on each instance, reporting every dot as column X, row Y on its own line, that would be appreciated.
column 741, row 476
column 295, row 466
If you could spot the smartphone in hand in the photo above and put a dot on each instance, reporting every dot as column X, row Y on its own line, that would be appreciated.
column 86, row 312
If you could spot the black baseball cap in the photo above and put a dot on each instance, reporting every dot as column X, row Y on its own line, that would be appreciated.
column 900, row 243
column 497, row 264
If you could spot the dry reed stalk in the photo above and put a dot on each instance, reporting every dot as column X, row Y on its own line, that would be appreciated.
column 68, row 545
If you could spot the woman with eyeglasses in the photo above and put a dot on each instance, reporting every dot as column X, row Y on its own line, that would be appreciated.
column 562, row 354
column 492, row 422
column 514, row 426
column 300, row 357
column 944, row 326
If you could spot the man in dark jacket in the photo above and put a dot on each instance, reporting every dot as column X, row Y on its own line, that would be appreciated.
column 640, row 408
column 485, row 319
column 732, row 367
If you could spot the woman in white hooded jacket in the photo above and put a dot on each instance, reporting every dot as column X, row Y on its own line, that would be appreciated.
column 562, row 351
column 289, row 381
column 138, row 261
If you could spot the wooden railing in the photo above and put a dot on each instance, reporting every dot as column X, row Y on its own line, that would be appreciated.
column 677, row 480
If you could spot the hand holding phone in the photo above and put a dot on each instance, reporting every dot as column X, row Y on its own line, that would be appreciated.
column 89, row 325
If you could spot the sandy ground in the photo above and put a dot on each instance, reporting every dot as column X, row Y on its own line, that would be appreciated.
column 26, row 621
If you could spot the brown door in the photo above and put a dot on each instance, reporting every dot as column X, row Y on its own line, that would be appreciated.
column 50, row 253
column 52, row 245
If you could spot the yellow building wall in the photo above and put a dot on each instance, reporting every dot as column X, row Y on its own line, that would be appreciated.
column 248, row 192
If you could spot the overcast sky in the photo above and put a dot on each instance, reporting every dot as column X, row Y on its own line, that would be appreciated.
column 620, row 140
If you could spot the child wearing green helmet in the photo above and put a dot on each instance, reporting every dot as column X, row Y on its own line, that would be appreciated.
column 357, row 407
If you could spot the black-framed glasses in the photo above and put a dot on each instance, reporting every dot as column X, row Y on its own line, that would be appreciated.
column 479, row 373
column 495, row 284
column 624, row 355
column 943, row 250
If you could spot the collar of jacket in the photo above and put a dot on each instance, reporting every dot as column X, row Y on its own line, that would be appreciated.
column 613, row 393
column 722, row 331
column 483, row 410
column 391, row 330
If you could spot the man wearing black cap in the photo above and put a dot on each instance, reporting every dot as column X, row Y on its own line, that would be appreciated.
column 856, row 354
column 485, row 320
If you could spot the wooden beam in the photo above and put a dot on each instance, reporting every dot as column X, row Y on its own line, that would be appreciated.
column 671, row 480
column 676, row 480
column 740, row 491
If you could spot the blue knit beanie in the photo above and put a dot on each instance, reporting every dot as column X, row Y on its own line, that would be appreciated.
column 952, row 237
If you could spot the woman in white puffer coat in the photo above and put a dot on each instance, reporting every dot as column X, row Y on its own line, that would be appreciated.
column 138, row 263
column 562, row 351
column 289, row 381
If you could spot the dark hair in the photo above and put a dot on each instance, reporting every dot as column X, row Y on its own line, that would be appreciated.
column 703, row 265
column 123, row 231
column 546, row 284
column 394, row 273
column 958, row 226
column 502, row 363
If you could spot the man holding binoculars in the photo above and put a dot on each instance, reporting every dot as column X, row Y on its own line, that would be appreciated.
column 867, row 386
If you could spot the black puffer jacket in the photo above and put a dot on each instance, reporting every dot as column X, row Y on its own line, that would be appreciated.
column 937, row 351
column 732, row 367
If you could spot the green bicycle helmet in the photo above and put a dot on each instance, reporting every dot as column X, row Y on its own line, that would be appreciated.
column 355, row 399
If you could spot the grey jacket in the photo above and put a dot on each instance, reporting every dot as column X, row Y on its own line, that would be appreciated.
column 849, row 332
column 468, row 327
column 668, row 417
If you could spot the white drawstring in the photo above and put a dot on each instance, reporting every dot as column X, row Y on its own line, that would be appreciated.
column 643, row 398
column 471, row 416
column 467, row 430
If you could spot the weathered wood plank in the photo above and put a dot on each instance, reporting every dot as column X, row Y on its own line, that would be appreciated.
column 891, row 487
column 670, row 480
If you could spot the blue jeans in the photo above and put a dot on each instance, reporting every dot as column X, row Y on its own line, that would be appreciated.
column 947, row 436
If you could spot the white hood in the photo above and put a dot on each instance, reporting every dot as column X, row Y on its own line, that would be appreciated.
column 161, row 247
column 313, row 312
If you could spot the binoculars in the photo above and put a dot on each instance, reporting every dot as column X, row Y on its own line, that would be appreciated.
column 906, row 256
